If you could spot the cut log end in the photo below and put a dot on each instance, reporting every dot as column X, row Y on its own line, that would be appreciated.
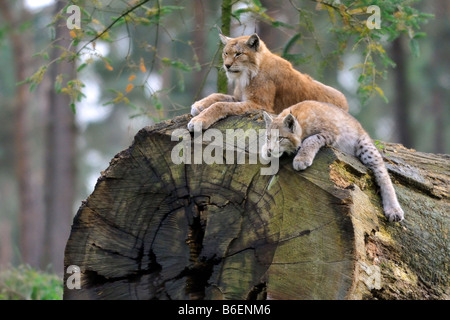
column 153, row 229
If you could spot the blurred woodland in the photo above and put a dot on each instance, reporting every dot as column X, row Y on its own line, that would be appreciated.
column 73, row 98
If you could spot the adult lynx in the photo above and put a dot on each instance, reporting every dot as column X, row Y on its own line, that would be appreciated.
column 262, row 80
column 307, row 126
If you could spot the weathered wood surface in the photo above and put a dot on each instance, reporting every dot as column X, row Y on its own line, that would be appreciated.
column 155, row 230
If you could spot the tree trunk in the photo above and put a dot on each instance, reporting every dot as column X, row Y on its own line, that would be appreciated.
column 402, row 94
column 60, row 157
column 222, row 81
column 6, row 253
column 199, row 38
column 435, row 72
column 30, row 214
column 153, row 229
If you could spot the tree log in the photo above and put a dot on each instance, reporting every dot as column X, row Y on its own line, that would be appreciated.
column 153, row 229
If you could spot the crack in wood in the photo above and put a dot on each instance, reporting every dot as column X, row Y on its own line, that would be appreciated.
column 198, row 273
column 258, row 292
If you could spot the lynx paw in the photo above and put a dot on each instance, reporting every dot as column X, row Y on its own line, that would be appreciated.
column 196, row 124
column 301, row 164
column 394, row 214
column 196, row 109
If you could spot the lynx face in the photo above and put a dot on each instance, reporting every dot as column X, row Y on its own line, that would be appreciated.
column 282, row 135
column 241, row 56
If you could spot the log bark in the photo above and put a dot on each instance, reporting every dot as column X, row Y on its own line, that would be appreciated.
column 156, row 230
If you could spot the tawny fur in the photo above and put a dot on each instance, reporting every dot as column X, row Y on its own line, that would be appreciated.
column 307, row 126
column 262, row 80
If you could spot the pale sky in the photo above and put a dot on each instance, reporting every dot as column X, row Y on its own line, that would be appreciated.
column 38, row 4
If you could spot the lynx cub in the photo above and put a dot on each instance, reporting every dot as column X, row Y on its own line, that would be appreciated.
column 307, row 126
column 262, row 80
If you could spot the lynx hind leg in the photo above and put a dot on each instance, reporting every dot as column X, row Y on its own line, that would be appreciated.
column 369, row 155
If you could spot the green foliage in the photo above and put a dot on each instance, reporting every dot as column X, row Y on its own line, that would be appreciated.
column 379, row 145
column 36, row 78
column 347, row 23
column 256, row 9
column 25, row 283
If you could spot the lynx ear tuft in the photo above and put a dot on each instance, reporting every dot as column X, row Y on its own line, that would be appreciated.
column 267, row 118
column 224, row 39
column 253, row 42
column 289, row 122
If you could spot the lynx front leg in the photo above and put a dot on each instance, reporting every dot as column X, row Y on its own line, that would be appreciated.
column 204, row 103
column 220, row 110
column 309, row 148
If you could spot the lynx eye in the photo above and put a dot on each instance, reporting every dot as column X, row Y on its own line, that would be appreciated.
column 237, row 54
column 281, row 139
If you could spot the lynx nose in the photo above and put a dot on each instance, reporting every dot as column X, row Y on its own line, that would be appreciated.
column 269, row 152
column 228, row 66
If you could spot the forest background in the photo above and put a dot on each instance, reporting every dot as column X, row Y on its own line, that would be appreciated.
column 72, row 96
